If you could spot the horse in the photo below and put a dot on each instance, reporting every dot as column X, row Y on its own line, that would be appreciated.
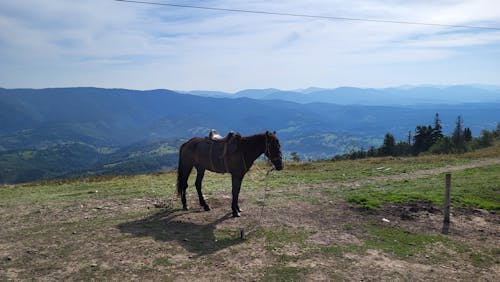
column 233, row 154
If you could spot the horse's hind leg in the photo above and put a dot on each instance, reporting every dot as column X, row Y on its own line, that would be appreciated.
column 183, row 182
column 200, row 172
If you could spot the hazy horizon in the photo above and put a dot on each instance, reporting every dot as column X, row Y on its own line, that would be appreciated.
column 489, row 87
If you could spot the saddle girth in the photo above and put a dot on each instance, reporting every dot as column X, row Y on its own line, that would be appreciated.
column 223, row 157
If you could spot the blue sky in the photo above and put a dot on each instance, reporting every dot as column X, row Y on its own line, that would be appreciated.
column 104, row 43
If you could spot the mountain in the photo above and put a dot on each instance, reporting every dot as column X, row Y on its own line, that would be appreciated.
column 68, row 132
column 213, row 94
column 397, row 96
column 256, row 93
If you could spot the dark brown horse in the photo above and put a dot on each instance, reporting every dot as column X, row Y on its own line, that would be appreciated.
column 234, row 154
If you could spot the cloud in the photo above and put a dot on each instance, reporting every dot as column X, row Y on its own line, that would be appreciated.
column 113, row 44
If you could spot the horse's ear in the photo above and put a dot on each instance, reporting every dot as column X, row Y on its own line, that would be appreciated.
column 274, row 132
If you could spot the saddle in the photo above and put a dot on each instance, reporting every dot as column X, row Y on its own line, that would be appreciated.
column 215, row 136
column 221, row 147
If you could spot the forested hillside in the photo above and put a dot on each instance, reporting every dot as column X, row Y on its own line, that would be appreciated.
column 68, row 132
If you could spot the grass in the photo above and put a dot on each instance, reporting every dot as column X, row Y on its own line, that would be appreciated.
column 284, row 273
column 162, row 261
column 164, row 184
column 59, row 230
column 475, row 188
column 396, row 242
column 120, row 187
column 399, row 242
column 281, row 237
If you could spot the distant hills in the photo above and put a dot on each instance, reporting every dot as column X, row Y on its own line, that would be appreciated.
column 69, row 132
column 398, row 96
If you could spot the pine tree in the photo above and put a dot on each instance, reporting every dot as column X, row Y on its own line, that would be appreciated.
column 467, row 134
column 372, row 152
column 457, row 139
column 422, row 140
column 437, row 132
column 387, row 148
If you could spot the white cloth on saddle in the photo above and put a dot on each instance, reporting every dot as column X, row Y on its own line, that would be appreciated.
column 214, row 135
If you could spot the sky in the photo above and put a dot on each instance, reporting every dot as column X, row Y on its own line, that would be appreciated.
column 111, row 44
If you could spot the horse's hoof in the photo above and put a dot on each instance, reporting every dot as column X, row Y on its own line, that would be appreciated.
column 185, row 208
column 207, row 208
column 236, row 214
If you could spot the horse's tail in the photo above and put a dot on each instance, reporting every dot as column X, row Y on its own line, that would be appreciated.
column 180, row 172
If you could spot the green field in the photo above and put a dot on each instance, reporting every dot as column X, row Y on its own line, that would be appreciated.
column 371, row 219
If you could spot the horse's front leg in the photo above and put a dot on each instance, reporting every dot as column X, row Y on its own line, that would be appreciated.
column 236, row 181
column 200, row 172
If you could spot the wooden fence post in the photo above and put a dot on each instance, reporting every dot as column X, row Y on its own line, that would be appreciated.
column 447, row 201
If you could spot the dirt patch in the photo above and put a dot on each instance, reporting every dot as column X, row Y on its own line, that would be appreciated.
column 207, row 245
column 467, row 224
column 308, row 235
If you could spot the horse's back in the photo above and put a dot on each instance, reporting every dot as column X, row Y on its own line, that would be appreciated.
column 206, row 153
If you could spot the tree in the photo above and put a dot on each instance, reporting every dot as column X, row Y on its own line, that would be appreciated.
column 387, row 148
column 457, row 138
column 422, row 140
column 295, row 157
column 437, row 132
column 372, row 152
column 467, row 135
column 486, row 138
column 402, row 148
column 443, row 146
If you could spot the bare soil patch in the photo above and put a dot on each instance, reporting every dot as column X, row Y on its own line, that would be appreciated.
column 310, row 235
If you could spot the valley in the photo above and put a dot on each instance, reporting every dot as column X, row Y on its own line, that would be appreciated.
column 77, row 132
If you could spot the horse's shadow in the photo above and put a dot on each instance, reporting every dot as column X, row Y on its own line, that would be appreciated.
column 200, row 239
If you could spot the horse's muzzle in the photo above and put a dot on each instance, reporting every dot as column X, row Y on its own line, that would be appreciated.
column 278, row 164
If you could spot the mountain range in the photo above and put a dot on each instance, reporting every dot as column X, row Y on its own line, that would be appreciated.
column 71, row 132
column 396, row 96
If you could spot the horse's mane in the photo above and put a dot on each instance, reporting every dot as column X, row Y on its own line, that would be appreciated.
column 261, row 137
column 252, row 137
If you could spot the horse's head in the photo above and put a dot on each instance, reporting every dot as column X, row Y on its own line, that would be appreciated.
column 273, row 150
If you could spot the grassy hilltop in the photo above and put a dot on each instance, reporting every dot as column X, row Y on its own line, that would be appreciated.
column 377, row 218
